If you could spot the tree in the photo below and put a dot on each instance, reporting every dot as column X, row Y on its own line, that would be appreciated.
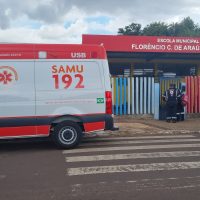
column 132, row 29
column 186, row 27
column 156, row 28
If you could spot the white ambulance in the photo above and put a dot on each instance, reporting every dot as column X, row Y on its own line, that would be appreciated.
column 54, row 90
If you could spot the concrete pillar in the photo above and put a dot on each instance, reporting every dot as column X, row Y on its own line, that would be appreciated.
column 132, row 87
column 132, row 70
column 156, row 73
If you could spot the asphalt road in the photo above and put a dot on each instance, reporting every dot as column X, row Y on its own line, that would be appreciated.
column 149, row 167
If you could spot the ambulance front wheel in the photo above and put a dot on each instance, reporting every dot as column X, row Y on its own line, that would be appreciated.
column 67, row 135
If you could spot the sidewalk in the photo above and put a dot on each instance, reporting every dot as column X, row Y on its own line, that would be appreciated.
column 145, row 125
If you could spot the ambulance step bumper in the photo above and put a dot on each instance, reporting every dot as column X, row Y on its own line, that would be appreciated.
column 115, row 129
column 109, row 123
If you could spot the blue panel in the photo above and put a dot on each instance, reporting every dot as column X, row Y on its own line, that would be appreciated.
column 124, row 96
column 153, row 95
column 120, row 95
column 117, row 95
column 113, row 92
column 157, row 100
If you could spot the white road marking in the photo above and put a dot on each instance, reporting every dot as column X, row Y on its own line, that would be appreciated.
column 138, row 138
column 132, row 156
column 103, row 149
column 171, row 183
column 92, row 143
column 132, row 168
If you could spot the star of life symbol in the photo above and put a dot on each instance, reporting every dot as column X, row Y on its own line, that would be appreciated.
column 171, row 92
column 7, row 75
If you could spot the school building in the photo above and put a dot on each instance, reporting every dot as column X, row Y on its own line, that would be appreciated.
column 142, row 67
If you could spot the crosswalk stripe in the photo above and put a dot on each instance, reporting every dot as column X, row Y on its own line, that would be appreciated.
column 139, row 142
column 171, row 183
column 137, row 137
column 102, row 149
column 132, row 168
column 132, row 156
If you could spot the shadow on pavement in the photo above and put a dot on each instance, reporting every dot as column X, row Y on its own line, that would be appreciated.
column 27, row 144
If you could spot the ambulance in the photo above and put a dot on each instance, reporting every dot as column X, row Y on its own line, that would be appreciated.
column 56, row 90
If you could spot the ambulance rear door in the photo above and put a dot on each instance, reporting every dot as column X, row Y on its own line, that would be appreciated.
column 17, row 98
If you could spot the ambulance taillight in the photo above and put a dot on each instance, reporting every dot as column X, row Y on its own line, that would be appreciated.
column 108, row 95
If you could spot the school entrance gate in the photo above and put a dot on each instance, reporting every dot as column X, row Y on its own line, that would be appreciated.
column 164, row 85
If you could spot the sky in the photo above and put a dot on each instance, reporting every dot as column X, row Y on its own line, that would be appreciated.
column 64, row 21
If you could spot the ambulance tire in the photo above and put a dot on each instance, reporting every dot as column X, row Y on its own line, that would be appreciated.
column 67, row 134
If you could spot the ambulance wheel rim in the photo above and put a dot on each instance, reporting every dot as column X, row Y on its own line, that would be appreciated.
column 68, row 135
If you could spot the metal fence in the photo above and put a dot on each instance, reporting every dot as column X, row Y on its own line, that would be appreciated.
column 140, row 95
column 133, row 95
column 193, row 92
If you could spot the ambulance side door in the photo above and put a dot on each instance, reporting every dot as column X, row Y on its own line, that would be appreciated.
column 68, row 87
